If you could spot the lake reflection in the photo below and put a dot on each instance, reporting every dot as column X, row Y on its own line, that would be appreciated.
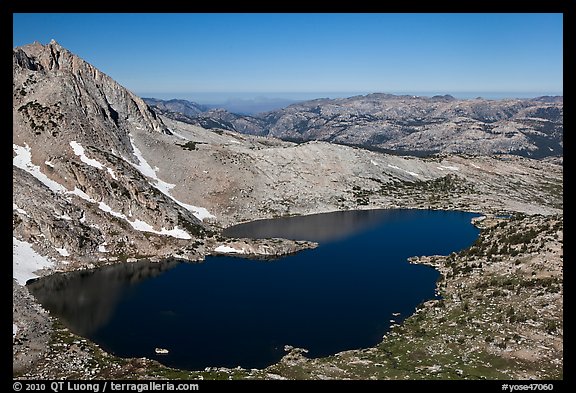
column 229, row 312
column 87, row 299
column 324, row 227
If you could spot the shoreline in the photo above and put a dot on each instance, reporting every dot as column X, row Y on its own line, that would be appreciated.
column 296, row 365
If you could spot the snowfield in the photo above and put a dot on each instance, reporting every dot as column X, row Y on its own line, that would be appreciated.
column 19, row 210
column 143, row 226
column 26, row 261
column 64, row 217
column 62, row 251
column 23, row 160
column 164, row 187
column 451, row 168
column 408, row 172
column 79, row 151
column 228, row 250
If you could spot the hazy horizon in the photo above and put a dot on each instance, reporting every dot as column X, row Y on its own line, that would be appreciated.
column 224, row 97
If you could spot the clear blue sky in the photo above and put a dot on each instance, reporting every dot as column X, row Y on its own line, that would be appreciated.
column 441, row 53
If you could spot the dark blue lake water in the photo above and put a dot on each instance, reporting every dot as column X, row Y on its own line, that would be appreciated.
column 230, row 312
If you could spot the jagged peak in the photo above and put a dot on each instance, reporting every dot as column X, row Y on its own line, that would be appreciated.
column 50, row 56
column 53, row 58
column 38, row 46
column 56, row 45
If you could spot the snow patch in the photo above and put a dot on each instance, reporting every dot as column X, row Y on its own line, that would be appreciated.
column 452, row 168
column 111, row 172
column 475, row 166
column 49, row 164
column 227, row 250
column 104, row 207
column 25, row 261
column 82, row 195
column 404, row 170
column 374, row 162
column 199, row 212
column 143, row 226
column 14, row 330
column 175, row 232
column 64, row 217
column 79, row 151
column 62, row 251
column 147, row 170
column 23, row 160
column 178, row 135
column 102, row 248
column 139, row 225
column 164, row 187
column 19, row 210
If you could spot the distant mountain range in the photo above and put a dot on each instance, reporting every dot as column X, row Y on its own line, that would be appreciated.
column 186, row 108
column 402, row 124
column 240, row 106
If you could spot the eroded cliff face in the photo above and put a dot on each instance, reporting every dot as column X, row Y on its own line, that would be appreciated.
column 93, row 106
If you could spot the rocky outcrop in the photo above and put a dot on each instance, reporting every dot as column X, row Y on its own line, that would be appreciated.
column 262, row 248
column 31, row 329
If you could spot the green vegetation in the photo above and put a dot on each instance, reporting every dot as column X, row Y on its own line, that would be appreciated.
column 193, row 229
column 362, row 197
column 42, row 118
column 190, row 145
column 431, row 192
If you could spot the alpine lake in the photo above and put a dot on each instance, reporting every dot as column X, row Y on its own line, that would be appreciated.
column 229, row 311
